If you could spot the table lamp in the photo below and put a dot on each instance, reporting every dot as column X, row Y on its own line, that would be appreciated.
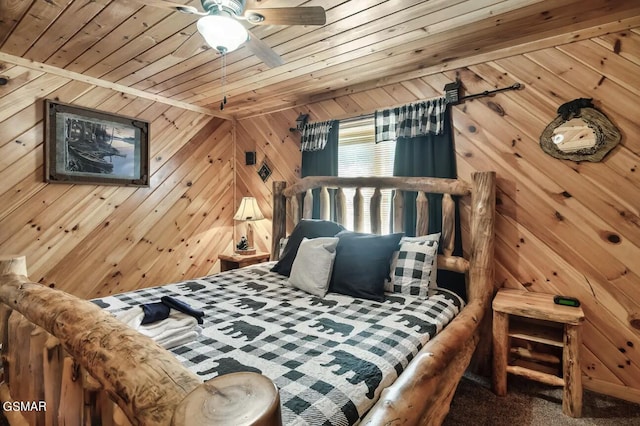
column 248, row 211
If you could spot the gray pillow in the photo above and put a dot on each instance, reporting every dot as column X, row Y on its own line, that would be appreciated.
column 309, row 228
column 312, row 266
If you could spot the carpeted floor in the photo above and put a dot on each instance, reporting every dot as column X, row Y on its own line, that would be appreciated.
column 531, row 403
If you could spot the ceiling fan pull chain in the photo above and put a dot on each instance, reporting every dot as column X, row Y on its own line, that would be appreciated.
column 224, row 78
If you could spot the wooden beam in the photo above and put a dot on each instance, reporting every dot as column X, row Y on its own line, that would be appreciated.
column 16, row 60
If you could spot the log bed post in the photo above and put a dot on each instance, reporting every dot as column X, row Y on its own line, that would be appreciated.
column 481, row 262
column 279, row 225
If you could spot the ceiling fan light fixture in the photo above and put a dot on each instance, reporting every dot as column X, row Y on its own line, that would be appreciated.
column 221, row 32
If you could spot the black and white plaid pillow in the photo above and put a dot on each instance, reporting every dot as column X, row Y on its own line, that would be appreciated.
column 416, row 268
column 424, row 239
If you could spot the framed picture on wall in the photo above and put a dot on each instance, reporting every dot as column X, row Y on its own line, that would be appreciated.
column 264, row 171
column 87, row 146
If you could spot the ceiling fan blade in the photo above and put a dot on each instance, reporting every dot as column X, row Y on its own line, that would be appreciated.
column 184, row 8
column 314, row 15
column 265, row 53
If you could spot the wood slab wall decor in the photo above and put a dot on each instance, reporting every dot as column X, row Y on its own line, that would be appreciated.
column 96, row 240
column 562, row 227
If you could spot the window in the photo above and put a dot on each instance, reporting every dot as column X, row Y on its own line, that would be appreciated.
column 359, row 155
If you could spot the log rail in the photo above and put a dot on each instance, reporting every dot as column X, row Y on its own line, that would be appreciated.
column 299, row 207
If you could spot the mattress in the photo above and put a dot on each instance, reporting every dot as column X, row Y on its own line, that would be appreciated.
column 329, row 357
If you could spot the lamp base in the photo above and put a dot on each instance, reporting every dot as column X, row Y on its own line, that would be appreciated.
column 246, row 252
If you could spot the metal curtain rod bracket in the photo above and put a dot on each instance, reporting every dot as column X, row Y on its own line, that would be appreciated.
column 301, row 121
column 515, row 86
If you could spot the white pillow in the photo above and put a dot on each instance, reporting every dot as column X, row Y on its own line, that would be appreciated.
column 312, row 266
column 424, row 239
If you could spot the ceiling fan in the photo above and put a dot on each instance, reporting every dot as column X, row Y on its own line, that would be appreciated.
column 221, row 27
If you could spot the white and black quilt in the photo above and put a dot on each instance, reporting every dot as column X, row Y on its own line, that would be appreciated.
column 330, row 357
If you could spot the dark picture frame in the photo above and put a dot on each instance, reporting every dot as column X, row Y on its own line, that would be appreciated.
column 264, row 171
column 87, row 146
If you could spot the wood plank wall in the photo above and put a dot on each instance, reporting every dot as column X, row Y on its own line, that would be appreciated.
column 562, row 227
column 269, row 137
column 96, row 240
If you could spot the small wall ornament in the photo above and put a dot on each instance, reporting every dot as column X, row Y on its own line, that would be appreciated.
column 580, row 132
column 264, row 171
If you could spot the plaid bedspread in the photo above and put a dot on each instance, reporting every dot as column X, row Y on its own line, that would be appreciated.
column 329, row 357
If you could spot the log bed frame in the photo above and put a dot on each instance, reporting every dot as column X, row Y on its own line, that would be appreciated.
column 92, row 369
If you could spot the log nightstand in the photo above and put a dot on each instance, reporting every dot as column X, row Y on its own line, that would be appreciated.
column 235, row 261
column 535, row 338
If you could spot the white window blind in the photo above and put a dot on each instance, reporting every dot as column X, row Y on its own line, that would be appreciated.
column 359, row 155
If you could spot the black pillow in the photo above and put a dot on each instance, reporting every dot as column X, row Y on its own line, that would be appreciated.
column 362, row 264
column 309, row 228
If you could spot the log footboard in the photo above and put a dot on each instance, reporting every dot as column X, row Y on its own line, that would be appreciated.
column 69, row 362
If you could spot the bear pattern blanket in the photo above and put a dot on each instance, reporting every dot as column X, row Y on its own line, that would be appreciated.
column 329, row 357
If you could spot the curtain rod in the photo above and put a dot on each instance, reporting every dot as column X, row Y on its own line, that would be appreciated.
column 451, row 97
column 372, row 114
column 515, row 86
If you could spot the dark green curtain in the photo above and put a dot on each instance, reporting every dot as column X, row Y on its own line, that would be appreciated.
column 430, row 156
column 322, row 163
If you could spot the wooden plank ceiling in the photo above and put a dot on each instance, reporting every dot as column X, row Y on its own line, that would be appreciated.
column 149, row 49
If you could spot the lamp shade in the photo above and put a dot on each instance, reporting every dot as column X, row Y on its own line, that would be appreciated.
column 222, row 32
column 248, row 210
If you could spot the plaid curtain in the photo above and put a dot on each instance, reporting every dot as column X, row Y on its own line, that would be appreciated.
column 412, row 120
column 315, row 136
